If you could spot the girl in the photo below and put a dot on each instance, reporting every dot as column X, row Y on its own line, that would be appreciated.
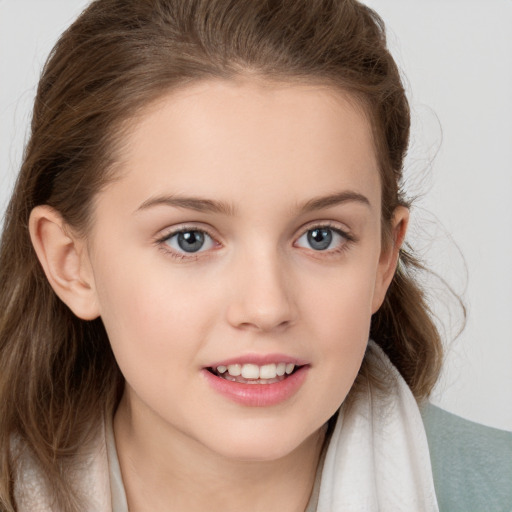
column 205, row 304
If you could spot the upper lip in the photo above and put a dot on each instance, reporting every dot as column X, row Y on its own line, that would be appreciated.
column 259, row 359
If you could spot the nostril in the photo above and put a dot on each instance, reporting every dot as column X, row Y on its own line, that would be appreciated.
column 264, row 322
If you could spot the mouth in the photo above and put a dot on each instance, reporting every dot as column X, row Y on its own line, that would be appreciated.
column 255, row 374
column 258, row 380
column 250, row 384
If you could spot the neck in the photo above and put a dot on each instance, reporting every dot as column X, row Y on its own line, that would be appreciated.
column 161, row 471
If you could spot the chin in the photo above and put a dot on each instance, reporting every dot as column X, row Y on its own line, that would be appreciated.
column 258, row 444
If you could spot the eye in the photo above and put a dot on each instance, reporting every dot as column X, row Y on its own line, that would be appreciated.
column 189, row 241
column 322, row 238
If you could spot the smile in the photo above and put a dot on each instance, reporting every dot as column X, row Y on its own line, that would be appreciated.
column 256, row 385
column 254, row 374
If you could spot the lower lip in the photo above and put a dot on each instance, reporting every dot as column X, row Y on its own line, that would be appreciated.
column 258, row 395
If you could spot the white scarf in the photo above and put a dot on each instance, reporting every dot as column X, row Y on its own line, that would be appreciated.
column 377, row 458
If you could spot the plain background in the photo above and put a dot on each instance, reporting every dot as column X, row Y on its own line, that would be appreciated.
column 456, row 57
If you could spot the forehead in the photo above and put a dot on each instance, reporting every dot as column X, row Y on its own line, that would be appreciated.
column 222, row 138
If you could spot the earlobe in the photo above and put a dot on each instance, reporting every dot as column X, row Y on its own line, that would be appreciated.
column 64, row 261
column 389, row 256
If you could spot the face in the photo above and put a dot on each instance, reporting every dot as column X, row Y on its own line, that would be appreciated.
column 243, row 236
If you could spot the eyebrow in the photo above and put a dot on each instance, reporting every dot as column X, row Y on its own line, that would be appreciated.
column 191, row 203
column 335, row 199
column 213, row 206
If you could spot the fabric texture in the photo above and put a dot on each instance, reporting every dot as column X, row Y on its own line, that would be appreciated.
column 378, row 458
column 92, row 478
column 472, row 463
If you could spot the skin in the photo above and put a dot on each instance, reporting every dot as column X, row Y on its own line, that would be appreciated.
column 266, row 152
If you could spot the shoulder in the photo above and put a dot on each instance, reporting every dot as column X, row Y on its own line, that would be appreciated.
column 87, row 477
column 471, row 463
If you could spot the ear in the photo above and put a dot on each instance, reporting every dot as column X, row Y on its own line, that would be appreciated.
column 389, row 256
column 65, row 262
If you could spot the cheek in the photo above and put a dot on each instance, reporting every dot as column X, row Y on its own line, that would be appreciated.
column 339, row 314
column 153, row 318
column 156, row 328
column 343, row 331
column 341, row 301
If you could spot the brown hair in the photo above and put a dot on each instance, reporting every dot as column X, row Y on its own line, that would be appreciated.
column 57, row 372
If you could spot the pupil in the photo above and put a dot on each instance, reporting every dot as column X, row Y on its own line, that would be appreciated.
column 320, row 239
column 191, row 241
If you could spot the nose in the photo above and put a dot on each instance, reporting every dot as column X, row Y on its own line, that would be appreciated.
column 262, row 297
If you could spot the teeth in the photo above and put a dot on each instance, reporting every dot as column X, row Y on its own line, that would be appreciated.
column 235, row 370
column 253, row 371
column 268, row 371
column 250, row 371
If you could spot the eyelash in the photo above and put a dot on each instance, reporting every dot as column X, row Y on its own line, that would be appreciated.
column 349, row 239
column 162, row 241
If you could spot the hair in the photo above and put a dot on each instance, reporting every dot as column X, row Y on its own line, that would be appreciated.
column 57, row 373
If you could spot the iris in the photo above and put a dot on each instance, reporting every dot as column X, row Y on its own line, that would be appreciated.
column 190, row 241
column 320, row 238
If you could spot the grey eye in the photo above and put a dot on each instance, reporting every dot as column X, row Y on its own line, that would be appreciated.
column 190, row 241
column 321, row 239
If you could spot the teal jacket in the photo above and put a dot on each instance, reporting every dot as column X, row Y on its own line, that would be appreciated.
column 471, row 464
